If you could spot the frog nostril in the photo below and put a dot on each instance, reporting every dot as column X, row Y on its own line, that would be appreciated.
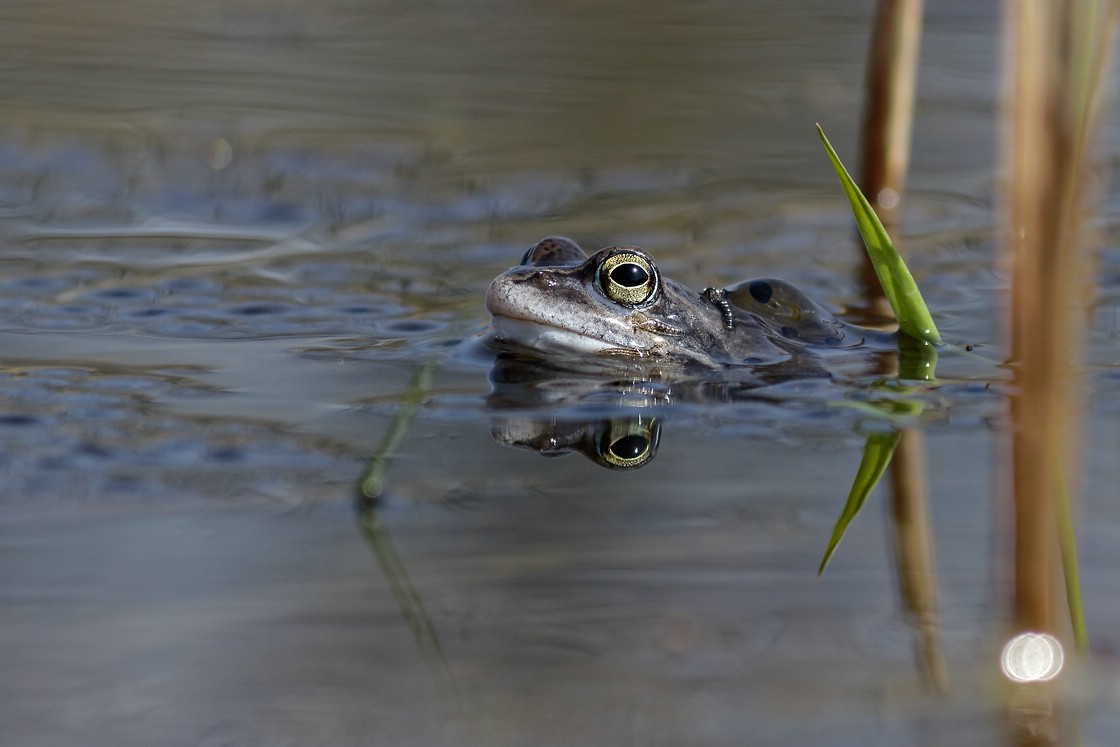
column 537, row 278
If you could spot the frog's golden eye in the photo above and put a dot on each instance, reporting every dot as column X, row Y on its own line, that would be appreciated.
column 627, row 278
column 626, row 444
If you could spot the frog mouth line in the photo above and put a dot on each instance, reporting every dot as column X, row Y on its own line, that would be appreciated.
column 535, row 333
column 522, row 317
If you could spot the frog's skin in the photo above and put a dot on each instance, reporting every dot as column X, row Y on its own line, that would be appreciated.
column 560, row 302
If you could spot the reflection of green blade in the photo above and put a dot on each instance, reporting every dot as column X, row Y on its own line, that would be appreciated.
column 877, row 453
column 898, row 284
column 407, row 597
column 370, row 486
column 917, row 360
column 372, row 480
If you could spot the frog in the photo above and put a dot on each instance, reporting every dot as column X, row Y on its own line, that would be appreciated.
column 616, row 304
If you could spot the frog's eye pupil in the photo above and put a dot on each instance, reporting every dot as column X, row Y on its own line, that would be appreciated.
column 630, row 275
column 629, row 447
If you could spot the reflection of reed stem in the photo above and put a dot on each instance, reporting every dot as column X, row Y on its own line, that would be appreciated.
column 913, row 545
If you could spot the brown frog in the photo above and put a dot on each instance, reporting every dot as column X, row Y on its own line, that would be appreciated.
column 561, row 302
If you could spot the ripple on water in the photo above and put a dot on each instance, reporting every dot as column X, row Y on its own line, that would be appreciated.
column 123, row 294
column 76, row 434
column 17, row 421
column 65, row 317
column 207, row 311
column 410, row 327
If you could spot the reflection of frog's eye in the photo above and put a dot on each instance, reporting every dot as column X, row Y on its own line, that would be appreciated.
column 627, row 278
column 625, row 444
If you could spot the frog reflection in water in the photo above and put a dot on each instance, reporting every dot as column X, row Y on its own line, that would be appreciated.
column 616, row 303
column 621, row 443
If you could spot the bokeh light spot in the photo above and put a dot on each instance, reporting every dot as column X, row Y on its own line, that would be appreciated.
column 220, row 155
column 1032, row 657
column 887, row 198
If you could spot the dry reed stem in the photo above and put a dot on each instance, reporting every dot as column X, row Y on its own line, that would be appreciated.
column 892, row 70
column 1050, row 82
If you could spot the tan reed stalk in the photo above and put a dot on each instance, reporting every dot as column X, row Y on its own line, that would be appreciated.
column 888, row 118
column 1056, row 54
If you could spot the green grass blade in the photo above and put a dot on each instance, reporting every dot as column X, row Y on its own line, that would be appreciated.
column 1067, row 542
column 898, row 284
column 877, row 453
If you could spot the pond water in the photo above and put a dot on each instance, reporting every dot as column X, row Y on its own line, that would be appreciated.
column 244, row 247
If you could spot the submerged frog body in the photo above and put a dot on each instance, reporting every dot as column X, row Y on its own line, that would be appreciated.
column 559, row 301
